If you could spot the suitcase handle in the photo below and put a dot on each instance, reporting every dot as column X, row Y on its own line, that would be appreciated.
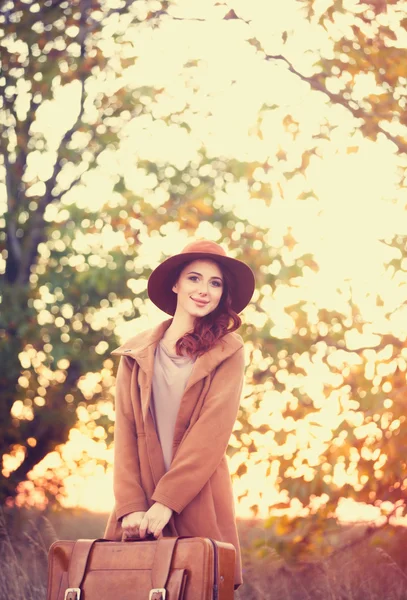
column 148, row 537
column 159, row 574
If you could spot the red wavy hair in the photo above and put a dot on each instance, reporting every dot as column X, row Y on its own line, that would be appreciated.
column 208, row 330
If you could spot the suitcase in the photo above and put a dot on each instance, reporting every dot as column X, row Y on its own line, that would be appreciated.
column 167, row 568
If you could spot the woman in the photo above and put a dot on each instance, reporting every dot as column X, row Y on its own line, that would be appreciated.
column 178, row 390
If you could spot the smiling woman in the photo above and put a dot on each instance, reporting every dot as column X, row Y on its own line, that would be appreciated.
column 178, row 392
column 204, row 287
column 200, row 286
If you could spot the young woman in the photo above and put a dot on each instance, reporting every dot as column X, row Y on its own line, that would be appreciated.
column 178, row 391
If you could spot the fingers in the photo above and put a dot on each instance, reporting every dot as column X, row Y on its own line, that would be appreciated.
column 150, row 525
column 131, row 524
column 126, row 535
column 130, row 532
column 144, row 526
column 155, row 528
column 153, row 521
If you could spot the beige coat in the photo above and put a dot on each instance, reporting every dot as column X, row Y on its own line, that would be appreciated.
column 197, row 487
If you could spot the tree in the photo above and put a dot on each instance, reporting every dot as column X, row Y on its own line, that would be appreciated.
column 46, row 48
column 306, row 440
column 363, row 440
column 58, row 286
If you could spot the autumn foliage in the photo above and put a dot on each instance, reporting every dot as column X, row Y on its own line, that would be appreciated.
column 63, row 292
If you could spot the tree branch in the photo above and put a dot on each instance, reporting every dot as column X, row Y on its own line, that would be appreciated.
column 77, row 179
column 12, row 241
column 47, row 198
column 357, row 112
column 36, row 233
column 319, row 86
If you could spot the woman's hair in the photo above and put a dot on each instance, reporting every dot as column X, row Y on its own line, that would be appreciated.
column 208, row 330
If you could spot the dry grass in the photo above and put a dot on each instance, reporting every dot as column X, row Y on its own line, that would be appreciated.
column 374, row 569
column 364, row 574
column 23, row 557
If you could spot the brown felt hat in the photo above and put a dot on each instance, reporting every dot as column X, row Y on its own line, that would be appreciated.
column 161, row 279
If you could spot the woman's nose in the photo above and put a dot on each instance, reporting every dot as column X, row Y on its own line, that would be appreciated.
column 203, row 289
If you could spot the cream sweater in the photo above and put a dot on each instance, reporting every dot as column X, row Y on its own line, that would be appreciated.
column 170, row 376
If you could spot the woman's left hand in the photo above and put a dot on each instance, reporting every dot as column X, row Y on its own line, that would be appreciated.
column 155, row 519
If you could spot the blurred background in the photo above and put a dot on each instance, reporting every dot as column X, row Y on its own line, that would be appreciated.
column 279, row 130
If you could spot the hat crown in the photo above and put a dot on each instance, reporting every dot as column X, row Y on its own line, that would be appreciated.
column 204, row 246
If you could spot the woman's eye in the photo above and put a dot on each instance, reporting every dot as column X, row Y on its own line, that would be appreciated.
column 216, row 283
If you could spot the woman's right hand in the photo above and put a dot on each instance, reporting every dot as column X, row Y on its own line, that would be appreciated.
column 131, row 524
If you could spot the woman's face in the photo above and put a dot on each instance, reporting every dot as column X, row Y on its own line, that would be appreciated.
column 201, row 280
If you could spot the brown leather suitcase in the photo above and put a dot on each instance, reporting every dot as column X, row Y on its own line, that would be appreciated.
column 167, row 568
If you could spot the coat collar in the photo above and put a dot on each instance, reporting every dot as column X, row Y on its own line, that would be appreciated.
column 142, row 348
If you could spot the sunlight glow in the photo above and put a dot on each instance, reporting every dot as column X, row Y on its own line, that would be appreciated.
column 233, row 104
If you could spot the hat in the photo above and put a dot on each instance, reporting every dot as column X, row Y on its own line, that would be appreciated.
column 161, row 279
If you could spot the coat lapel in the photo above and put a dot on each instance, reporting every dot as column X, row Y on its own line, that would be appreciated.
column 206, row 363
column 142, row 349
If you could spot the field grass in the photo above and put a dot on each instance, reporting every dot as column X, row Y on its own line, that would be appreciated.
column 372, row 569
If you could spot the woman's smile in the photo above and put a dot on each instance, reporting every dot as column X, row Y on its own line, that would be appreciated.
column 200, row 302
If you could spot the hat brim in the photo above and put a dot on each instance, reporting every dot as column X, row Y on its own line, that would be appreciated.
column 162, row 278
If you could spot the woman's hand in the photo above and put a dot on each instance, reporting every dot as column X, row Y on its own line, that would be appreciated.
column 155, row 519
column 131, row 524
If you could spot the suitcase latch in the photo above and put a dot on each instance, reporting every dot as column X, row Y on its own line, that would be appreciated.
column 158, row 594
column 72, row 594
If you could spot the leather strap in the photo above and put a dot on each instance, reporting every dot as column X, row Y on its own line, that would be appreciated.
column 159, row 573
column 162, row 561
column 79, row 561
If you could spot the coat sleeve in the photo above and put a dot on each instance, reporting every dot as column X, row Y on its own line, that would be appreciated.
column 205, row 444
column 128, row 492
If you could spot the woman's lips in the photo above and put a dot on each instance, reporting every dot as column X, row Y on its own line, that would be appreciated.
column 200, row 303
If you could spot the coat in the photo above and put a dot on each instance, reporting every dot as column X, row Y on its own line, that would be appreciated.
column 197, row 486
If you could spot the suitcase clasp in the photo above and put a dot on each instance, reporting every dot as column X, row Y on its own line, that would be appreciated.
column 157, row 594
column 72, row 594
